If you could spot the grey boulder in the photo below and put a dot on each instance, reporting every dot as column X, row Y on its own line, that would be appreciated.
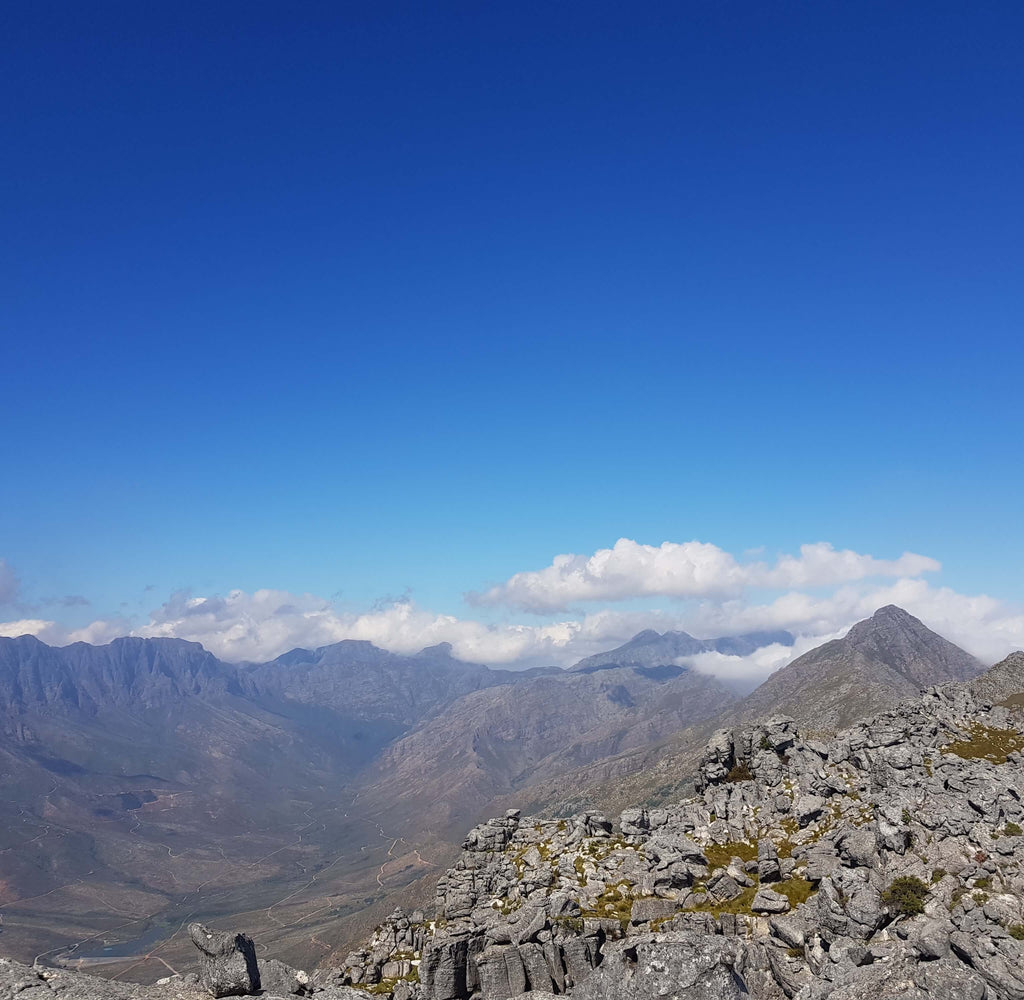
column 227, row 962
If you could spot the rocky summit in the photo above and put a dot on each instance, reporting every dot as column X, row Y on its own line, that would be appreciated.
column 884, row 861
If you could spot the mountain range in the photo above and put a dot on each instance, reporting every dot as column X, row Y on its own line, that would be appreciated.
column 146, row 782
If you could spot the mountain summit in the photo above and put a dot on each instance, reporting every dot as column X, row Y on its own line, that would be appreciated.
column 888, row 657
column 653, row 649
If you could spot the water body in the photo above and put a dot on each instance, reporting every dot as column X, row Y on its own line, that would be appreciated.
column 126, row 949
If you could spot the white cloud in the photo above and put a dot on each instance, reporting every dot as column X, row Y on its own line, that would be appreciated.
column 755, row 667
column 686, row 570
column 33, row 626
column 816, row 595
column 821, row 565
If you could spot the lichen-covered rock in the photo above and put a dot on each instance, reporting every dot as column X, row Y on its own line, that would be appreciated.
column 886, row 861
column 766, row 901
column 227, row 962
column 676, row 966
column 280, row 979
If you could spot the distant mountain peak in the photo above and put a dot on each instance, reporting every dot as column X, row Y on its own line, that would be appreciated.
column 650, row 649
column 891, row 616
column 644, row 637
column 880, row 661
column 441, row 649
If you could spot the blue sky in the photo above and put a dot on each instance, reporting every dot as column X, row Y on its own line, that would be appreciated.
column 383, row 301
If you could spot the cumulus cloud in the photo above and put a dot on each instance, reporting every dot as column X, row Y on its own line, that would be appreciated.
column 748, row 671
column 816, row 594
column 686, row 570
column 47, row 631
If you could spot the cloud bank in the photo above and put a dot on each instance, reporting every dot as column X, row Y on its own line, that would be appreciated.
column 816, row 594
column 685, row 570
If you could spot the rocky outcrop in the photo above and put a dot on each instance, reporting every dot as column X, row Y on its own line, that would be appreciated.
column 1003, row 681
column 35, row 983
column 881, row 862
column 886, row 861
column 227, row 962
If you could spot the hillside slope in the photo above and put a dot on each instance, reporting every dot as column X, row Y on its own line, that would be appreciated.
column 881, row 661
column 885, row 658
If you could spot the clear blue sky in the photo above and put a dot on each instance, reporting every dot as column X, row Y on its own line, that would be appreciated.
column 353, row 298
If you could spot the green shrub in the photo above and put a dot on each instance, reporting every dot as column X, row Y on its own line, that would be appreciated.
column 1012, row 830
column 1016, row 931
column 906, row 895
column 938, row 875
column 740, row 772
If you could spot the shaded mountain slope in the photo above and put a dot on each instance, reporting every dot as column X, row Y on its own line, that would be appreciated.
column 150, row 774
column 879, row 662
column 498, row 740
column 129, row 673
column 649, row 649
column 1004, row 680
column 359, row 680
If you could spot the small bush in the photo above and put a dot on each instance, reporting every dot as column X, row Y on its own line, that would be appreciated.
column 740, row 772
column 906, row 896
column 1016, row 931
column 1012, row 830
column 983, row 883
column 938, row 875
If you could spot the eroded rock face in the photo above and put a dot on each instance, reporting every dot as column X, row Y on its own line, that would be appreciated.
column 227, row 962
column 680, row 966
column 775, row 881
column 279, row 979
column 884, row 862
column 28, row 983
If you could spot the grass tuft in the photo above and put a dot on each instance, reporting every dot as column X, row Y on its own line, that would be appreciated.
column 987, row 743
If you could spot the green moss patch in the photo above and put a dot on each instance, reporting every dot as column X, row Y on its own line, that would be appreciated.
column 719, row 855
column 741, row 904
column 987, row 743
column 796, row 890
column 613, row 904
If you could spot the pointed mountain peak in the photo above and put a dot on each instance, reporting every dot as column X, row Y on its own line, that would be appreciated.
column 905, row 644
column 644, row 637
column 888, row 618
column 894, row 614
column 885, row 658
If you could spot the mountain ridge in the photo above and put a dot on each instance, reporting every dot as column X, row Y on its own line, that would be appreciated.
column 349, row 756
column 881, row 863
